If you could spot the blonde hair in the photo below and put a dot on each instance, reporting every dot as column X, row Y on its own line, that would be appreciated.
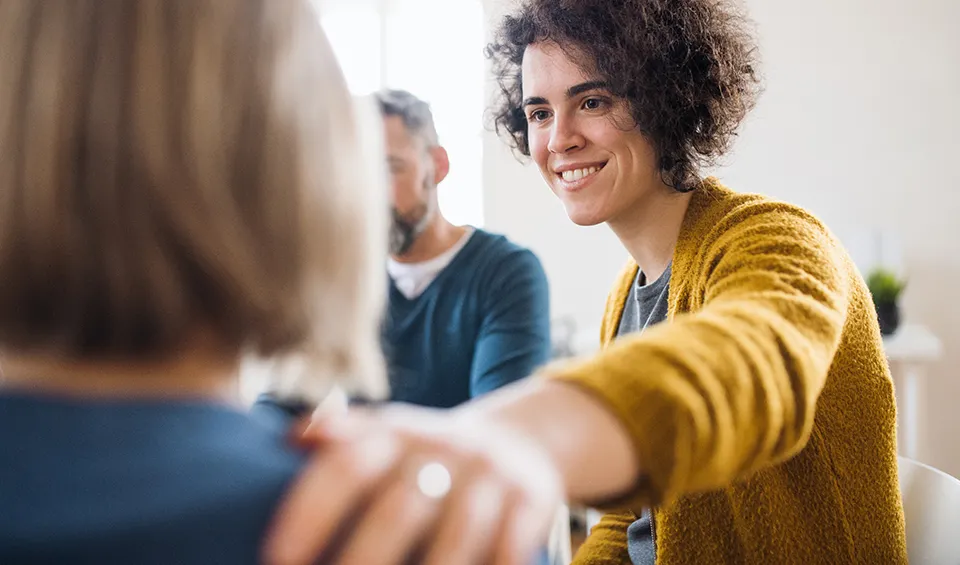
column 169, row 166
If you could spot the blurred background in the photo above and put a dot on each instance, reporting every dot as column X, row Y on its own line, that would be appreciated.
column 859, row 123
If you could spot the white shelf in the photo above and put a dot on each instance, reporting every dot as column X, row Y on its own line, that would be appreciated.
column 912, row 343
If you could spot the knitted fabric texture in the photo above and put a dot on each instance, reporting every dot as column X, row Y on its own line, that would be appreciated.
column 762, row 411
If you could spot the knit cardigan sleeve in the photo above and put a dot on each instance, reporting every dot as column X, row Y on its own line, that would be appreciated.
column 730, row 386
column 607, row 542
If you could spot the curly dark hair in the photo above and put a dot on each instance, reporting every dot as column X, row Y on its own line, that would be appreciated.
column 688, row 69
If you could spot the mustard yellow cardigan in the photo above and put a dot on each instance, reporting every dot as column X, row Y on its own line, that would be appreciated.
column 762, row 411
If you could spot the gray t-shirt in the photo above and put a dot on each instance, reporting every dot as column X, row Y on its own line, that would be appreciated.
column 646, row 305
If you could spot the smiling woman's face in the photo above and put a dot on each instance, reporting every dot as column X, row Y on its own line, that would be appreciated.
column 584, row 140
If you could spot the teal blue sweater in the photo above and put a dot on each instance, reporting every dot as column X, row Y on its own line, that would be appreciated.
column 484, row 322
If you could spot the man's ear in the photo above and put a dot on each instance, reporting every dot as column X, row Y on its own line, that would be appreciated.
column 441, row 164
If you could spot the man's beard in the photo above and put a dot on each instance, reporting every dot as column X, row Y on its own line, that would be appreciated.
column 406, row 228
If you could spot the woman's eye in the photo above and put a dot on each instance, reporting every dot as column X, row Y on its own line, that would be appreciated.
column 593, row 104
column 538, row 116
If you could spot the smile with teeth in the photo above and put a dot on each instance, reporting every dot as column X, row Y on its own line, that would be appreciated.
column 579, row 174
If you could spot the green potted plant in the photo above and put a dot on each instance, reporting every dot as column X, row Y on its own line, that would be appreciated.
column 885, row 287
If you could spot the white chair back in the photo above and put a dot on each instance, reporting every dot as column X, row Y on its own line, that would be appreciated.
column 931, row 505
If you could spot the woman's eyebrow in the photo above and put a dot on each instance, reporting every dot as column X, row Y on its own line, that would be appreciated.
column 571, row 92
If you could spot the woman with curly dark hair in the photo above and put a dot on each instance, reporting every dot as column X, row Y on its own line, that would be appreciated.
column 741, row 410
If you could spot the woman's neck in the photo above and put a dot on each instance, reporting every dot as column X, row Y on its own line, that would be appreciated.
column 194, row 374
column 650, row 230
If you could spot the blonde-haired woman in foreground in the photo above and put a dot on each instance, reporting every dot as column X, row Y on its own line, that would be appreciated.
column 182, row 185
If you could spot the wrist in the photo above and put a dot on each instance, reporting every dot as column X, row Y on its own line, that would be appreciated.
column 588, row 446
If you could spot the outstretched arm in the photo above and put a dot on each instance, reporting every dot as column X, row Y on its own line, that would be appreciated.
column 710, row 397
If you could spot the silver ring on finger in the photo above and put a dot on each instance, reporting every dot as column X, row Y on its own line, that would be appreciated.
column 434, row 480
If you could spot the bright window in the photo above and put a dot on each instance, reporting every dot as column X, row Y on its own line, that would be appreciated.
column 354, row 33
column 401, row 44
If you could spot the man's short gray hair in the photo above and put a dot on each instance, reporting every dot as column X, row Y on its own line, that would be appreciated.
column 415, row 113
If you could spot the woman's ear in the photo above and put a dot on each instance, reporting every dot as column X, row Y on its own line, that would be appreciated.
column 441, row 164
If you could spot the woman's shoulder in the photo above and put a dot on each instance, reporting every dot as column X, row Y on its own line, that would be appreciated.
column 190, row 473
column 717, row 212
column 727, row 232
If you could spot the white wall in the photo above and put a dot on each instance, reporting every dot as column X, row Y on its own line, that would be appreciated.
column 860, row 123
